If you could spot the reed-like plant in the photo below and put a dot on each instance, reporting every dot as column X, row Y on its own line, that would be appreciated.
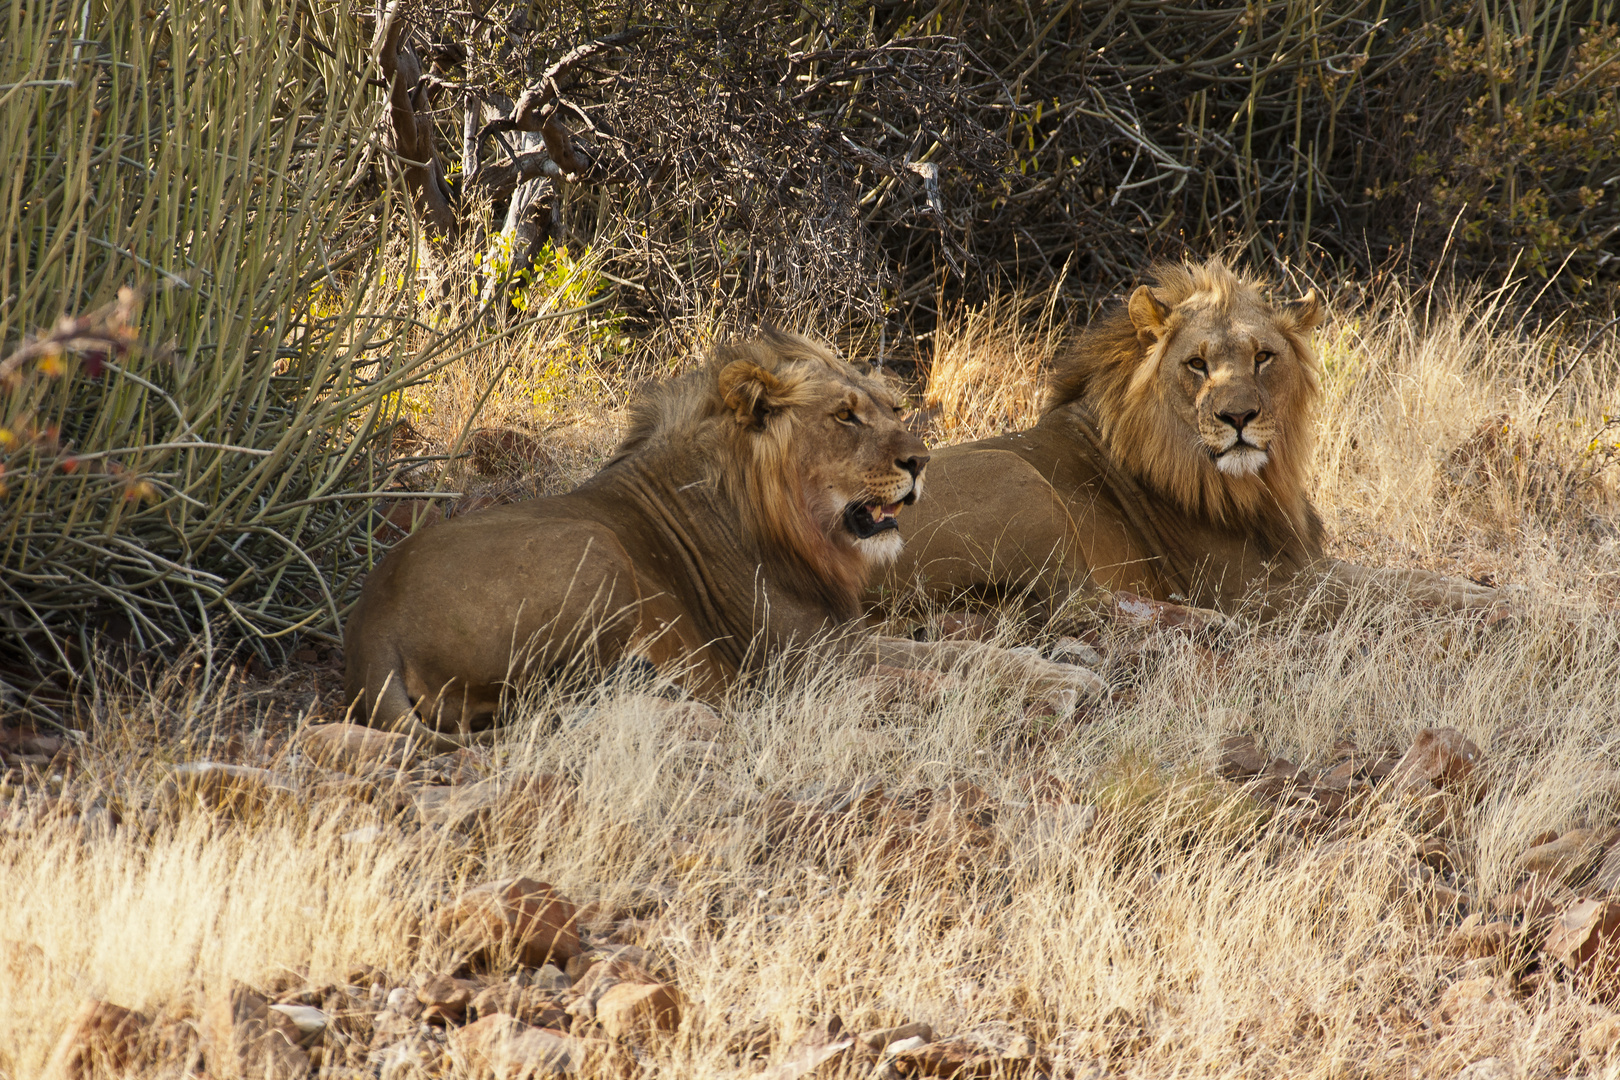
column 209, row 468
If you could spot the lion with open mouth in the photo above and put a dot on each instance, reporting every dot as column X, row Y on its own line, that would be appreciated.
column 741, row 516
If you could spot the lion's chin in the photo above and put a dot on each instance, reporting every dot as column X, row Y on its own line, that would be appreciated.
column 1242, row 461
column 882, row 549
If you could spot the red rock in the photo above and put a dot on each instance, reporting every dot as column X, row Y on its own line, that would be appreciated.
column 1477, row 939
column 1585, row 939
column 102, row 1039
column 603, row 976
column 636, row 1010
column 1563, row 859
column 1438, row 758
column 445, row 998
column 503, row 1048
column 529, row 917
column 244, row 1040
column 1239, row 758
column 1607, row 878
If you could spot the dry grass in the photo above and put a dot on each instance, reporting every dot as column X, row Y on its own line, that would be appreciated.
column 1192, row 932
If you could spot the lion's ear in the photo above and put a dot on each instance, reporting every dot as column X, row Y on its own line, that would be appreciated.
column 751, row 392
column 1148, row 315
column 1305, row 313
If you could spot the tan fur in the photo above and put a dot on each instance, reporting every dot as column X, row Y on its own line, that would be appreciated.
column 1172, row 460
column 715, row 536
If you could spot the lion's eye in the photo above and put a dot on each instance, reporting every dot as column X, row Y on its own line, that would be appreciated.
column 846, row 416
column 1262, row 358
column 1197, row 364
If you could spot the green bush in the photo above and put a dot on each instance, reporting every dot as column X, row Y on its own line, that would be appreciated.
column 204, row 464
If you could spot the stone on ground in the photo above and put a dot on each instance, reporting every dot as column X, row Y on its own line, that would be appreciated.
column 1438, row 758
column 102, row 1039
column 527, row 916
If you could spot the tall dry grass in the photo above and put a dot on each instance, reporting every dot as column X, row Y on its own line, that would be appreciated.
column 1190, row 932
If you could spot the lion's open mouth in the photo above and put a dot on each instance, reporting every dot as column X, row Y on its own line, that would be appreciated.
column 866, row 520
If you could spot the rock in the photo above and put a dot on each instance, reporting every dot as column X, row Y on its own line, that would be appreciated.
column 1434, row 896
column 244, row 1040
column 551, row 977
column 637, row 1010
column 1585, row 939
column 1438, row 758
column 352, row 747
column 1070, row 650
column 1545, row 836
column 446, row 998
column 880, row 1039
column 528, row 917
column 1491, row 1068
column 309, row 1020
column 1563, row 859
column 532, row 1005
column 220, row 788
column 969, row 1057
column 506, row 1049
column 102, row 1039
column 1437, row 854
column 1534, row 900
column 1467, row 996
column 823, row 1043
column 579, row 965
column 388, row 1027
column 407, row 1059
column 1338, row 778
column 602, row 977
column 1607, row 877
column 961, row 626
column 1477, row 939
column 1239, row 758
column 1600, row 1038
column 402, row 999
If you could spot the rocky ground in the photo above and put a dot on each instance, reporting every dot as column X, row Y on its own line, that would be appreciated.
column 881, row 876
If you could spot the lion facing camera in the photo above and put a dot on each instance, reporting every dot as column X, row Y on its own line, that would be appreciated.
column 1171, row 460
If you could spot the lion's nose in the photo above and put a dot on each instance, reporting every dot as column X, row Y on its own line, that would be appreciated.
column 913, row 465
column 1237, row 420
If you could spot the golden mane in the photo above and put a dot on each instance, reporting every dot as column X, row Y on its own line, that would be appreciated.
column 1110, row 369
column 739, row 414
